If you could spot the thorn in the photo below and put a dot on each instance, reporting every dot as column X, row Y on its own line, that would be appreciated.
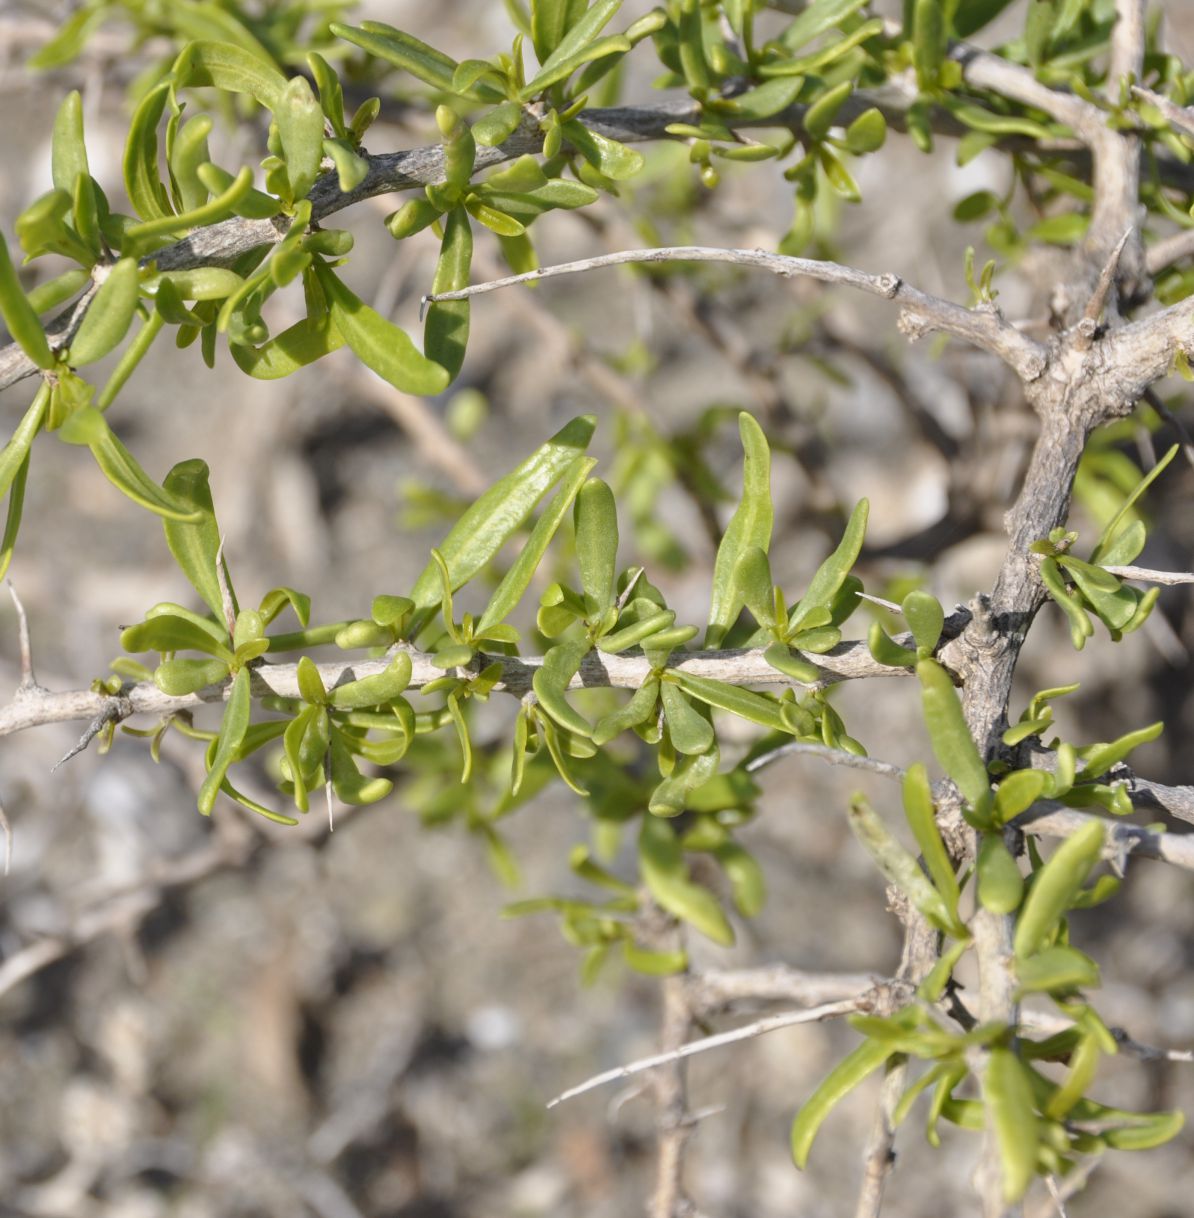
column 6, row 829
column 423, row 303
column 113, row 712
column 327, row 792
column 28, row 679
column 1098, row 298
column 225, row 591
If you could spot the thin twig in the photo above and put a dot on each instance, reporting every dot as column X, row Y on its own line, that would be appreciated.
column 1179, row 116
column 1153, row 398
column 1146, row 575
column 772, row 1023
column 834, row 756
column 6, row 829
column 985, row 328
column 28, row 678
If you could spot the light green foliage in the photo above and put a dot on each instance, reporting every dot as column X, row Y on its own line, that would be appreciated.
column 663, row 764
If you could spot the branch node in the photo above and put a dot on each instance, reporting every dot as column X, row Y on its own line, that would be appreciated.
column 889, row 285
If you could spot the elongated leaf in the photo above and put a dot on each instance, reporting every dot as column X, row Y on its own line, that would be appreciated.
column 1057, row 970
column 376, row 690
column 837, row 1084
column 18, row 313
column 296, row 347
column 691, row 773
column 68, row 151
column 550, row 21
column 886, row 650
column 638, row 710
column 141, row 178
column 607, row 156
column 16, row 452
column 665, row 874
column 516, row 581
column 1055, row 886
column 1000, row 884
column 89, row 427
column 1009, row 1100
column 109, row 316
column 899, row 867
column 231, row 68
column 747, row 885
column 597, row 543
column 196, row 543
column 446, row 333
column 952, row 743
column 614, row 44
column 690, row 731
column 169, row 632
column 12, row 522
column 551, row 679
column 378, row 343
column 235, row 724
column 922, row 818
column 498, row 514
column 1114, row 603
column 1108, row 534
column 410, row 54
column 637, row 632
column 833, row 572
column 1100, row 758
column 222, row 207
column 816, row 18
column 750, row 525
column 742, row 702
column 925, row 619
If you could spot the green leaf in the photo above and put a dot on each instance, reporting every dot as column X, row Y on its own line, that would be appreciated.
column 552, row 678
column 690, row 731
column 496, row 126
column 930, row 38
column 782, row 659
column 231, row 68
column 614, row 44
column 690, row 774
column 1099, row 554
column 635, row 632
column 550, row 21
column 222, row 207
column 181, row 677
column 837, row 1084
column 597, row 544
column 747, row 704
column 141, row 179
column 68, row 151
column 820, row 115
column 109, row 315
column 1000, row 884
column 1157, row 1129
column 639, row 709
column 1018, row 792
column 925, row 619
column 1100, row 758
column 579, row 32
column 350, row 785
column 378, row 343
column 1008, row 1096
column 168, row 632
column 607, row 156
column 1080, row 627
column 1114, row 603
column 376, row 690
column 18, row 314
column 886, row 650
column 195, row 543
column 815, row 19
column 1057, row 970
column 833, row 572
column 310, row 683
column 750, row 525
column 16, row 452
column 446, row 334
column 922, row 818
column 665, row 874
column 12, row 523
column 296, row 347
column 867, row 133
column 89, row 427
column 952, row 743
column 410, row 54
column 499, row 513
column 518, row 578
column 235, row 724
column 1055, row 886
column 900, row 867
column 747, row 885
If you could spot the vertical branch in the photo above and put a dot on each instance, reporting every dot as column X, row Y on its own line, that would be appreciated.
column 1117, row 155
column 919, row 956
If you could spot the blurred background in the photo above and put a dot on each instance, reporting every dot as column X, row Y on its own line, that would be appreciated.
column 222, row 1019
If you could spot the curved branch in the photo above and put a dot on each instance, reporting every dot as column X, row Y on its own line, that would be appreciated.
column 984, row 327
